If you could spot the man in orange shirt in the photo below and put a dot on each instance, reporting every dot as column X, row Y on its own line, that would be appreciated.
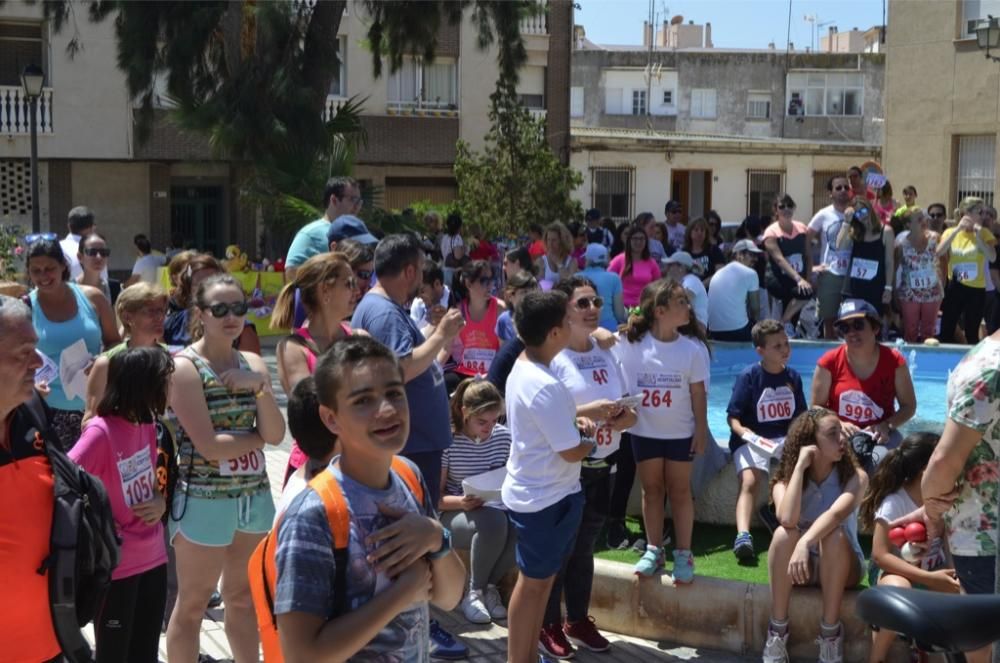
column 26, row 492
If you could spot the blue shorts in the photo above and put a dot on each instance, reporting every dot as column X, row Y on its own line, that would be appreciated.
column 545, row 538
column 648, row 448
column 215, row 521
column 976, row 574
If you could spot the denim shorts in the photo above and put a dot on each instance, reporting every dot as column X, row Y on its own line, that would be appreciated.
column 214, row 521
column 647, row 448
column 546, row 537
column 976, row 574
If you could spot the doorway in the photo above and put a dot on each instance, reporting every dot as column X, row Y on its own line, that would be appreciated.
column 196, row 213
column 693, row 189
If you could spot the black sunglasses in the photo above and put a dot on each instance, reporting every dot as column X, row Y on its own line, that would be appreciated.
column 586, row 302
column 104, row 253
column 858, row 324
column 363, row 275
column 221, row 310
column 841, row 188
column 939, row 215
column 784, row 206
column 485, row 280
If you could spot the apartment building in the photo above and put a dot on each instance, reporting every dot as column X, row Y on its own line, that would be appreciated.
column 715, row 128
column 942, row 100
column 90, row 155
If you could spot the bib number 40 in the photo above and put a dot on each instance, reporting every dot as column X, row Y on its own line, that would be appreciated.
column 656, row 398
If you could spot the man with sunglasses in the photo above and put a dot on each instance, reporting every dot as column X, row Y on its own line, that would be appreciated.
column 938, row 216
column 833, row 265
column 341, row 196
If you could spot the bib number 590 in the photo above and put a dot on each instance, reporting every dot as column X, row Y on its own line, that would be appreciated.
column 656, row 398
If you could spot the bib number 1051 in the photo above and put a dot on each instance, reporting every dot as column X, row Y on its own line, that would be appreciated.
column 656, row 398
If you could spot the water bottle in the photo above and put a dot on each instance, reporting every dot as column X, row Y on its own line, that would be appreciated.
column 911, row 359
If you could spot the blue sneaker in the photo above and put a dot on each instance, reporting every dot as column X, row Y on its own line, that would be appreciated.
column 743, row 546
column 444, row 645
column 683, row 567
column 650, row 562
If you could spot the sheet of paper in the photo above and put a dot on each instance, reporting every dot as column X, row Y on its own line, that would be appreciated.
column 485, row 486
column 72, row 362
column 48, row 371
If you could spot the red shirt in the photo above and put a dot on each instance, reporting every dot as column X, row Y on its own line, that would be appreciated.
column 862, row 402
column 536, row 249
column 479, row 341
column 484, row 251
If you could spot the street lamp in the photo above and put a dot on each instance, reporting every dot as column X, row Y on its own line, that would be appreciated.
column 32, row 79
column 988, row 35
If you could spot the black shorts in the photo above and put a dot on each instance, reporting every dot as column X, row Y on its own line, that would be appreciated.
column 784, row 290
column 648, row 448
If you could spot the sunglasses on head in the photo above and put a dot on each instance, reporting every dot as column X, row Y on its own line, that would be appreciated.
column 38, row 237
column 857, row 324
column 586, row 302
column 220, row 310
column 104, row 253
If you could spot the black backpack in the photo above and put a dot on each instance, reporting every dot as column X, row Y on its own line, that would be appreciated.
column 84, row 544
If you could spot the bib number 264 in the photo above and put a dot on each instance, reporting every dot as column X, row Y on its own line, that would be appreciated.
column 656, row 398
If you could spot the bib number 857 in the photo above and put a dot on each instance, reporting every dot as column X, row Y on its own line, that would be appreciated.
column 656, row 398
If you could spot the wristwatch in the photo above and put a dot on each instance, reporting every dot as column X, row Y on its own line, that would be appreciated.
column 445, row 545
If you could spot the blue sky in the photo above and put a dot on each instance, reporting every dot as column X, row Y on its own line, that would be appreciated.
column 735, row 23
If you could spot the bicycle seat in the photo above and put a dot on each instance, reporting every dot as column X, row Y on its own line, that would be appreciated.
column 938, row 622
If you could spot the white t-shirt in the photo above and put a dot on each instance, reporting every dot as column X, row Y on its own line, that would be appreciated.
column 448, row 244
column 675, row 235
column 662, row 374
column 146, row 266
column 418, row 310
column 895, row 506
column 699, row 305
column 541, row 416
column 827, row 223
column 295, row 485
column 727, row 297
column 592, row 376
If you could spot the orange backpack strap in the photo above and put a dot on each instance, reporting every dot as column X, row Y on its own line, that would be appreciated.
column 328, row 488
column 263, row 574
column 410, row 478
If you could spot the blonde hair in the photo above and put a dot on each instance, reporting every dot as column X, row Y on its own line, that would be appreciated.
column 134, row 298
column 968, row 204
column 325, row 268
column 473, row 396
column 565, row 237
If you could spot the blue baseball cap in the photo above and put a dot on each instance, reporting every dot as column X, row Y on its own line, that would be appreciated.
column 857, row 308
column 349, row 227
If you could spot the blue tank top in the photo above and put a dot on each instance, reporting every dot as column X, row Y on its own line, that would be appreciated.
column 54, row 337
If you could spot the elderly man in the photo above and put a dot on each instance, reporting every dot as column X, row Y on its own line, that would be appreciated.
column 26, row 491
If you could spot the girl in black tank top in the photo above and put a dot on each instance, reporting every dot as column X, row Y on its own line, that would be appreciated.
column 870, row 272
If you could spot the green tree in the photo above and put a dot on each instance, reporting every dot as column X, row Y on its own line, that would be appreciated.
column 516, row 180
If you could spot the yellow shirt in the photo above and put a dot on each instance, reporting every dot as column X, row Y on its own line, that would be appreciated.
column 966, row 263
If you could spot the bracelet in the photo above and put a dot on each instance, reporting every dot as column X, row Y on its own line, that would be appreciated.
column 888, row 287
column 263, row 391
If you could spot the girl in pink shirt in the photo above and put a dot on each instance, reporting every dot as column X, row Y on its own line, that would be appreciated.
column 119, row 447
column 634, row 266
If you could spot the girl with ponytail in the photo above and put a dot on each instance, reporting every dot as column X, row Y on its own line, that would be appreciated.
column 479, row 445
column 894, row 492
column 667, row 372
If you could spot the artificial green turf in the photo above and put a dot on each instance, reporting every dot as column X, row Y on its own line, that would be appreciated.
column 712, row 546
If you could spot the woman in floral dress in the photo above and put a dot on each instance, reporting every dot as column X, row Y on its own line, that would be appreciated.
column 920, row 291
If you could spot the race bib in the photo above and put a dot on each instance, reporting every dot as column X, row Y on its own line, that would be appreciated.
column 920, row 279
column 477, row 360
column 249, row 464
column 593, row 367
column 857, row 406
column 966, row 271
column 795, row 260
column 138, row 482
column 839, row 262
column 775, row 405
column 657, row 388
column 864, row 269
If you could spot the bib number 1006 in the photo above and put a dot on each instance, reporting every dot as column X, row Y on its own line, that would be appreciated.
column 774, row 410
column 656, row 398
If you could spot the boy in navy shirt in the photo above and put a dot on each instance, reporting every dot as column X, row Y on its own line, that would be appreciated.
column 766, row 397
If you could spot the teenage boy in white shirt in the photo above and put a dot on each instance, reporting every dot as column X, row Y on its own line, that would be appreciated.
column 542, row 488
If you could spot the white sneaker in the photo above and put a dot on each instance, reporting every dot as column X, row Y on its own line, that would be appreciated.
column 473, row 608
column 776, row 648
column 831, row 650
column 491, row 597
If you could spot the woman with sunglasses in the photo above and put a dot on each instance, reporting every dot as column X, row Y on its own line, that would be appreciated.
column 595, row 379
column 64, row 313
column 177, row 328
column 222, row 504
column 93, row 255
column 920, row 290
column 790, row 258
column 362, row 260
column 327, row 289
column 871, row 269
column 475, row 347
column 969, row 248
column 634, row 265
column 862, row 381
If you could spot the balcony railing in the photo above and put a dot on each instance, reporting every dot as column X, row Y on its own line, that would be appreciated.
column 15, row 111
column 537, row 24
column 538, row 113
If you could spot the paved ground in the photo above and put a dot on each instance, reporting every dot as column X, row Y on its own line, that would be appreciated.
column 487, row 644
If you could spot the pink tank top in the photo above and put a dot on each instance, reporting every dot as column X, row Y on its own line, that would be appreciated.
column 479, row 341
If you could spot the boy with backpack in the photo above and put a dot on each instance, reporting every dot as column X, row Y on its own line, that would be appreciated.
column 360, row 553
column 542, row 488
